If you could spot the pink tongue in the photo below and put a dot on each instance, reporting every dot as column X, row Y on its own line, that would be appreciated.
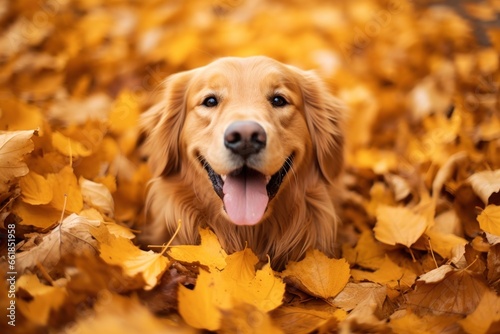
column 245, row 197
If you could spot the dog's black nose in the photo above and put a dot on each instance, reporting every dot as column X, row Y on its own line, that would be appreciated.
column 245, row 138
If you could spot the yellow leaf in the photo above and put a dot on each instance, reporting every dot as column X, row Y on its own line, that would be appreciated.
column 42, row 216
column 13, row 147
column 122, row 252
column 97, row 196
column 209, row 253
column 264, row 291
column 67, row 193
column 117, row 314
column 69, row 147
column 368, row 252
column 444, row 243
column 489, row 219
column 45, row 299
column 389, row 273
column 398, row 225
column 246, row 318
column 485, row 183
column 201, row 306
column 487, row 312
column 321, row 276
column 217, row 290
column 18, row 115
column 241, row 265
column 35, row 189
column 356, row 293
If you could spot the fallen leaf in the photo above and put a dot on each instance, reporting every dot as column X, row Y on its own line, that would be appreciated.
column 122, row 252
column 459, row 292
column 356, row 293
column 389, row 273
column 200, row 307
column 35, row 189
column 321, row 276
column 43, row 216
column 13, row 147
column 97, row 196
column 116, row 314
column 368, row 252
column 410, row 323
column 436, row 275
column 71, row 235
column 45, row 298
column 486, row 313
column 489, row 219
column 217, row 290
column 68, row 146
column 67, row 194
column 485, row 183
column 398, row 225
column 246, row 318
column 293, row 319
column 208, row 253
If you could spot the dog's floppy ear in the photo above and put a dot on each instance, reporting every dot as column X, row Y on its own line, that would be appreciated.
column 162, row 125
column 324, row 115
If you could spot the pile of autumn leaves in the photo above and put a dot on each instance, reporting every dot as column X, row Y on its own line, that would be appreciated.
column 413, row 268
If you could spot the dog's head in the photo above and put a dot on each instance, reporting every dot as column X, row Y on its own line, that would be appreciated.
column 246, row 125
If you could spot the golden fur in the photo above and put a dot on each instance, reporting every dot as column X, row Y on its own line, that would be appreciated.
column 180, row 130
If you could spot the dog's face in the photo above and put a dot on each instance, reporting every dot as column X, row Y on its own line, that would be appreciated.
column 250, row 126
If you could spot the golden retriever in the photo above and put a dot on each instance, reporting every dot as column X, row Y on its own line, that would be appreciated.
column 250, row 148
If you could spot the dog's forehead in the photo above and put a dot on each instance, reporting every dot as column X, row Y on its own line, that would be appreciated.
column 232, row 70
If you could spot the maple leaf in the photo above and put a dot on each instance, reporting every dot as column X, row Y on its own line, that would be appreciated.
column 218, row 290
column 13, row 147
column 72, row 235
column 489, row 219
column 208, row 253
column 319, row 275
column 398, row 225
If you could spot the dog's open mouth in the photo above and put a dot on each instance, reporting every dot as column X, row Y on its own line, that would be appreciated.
column 246, row 192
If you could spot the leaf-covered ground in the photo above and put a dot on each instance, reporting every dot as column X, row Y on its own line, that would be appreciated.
column 419, row 249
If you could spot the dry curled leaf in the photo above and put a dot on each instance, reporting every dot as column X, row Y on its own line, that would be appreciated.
column 13, row 147
column 485, row 183
column 73, row 234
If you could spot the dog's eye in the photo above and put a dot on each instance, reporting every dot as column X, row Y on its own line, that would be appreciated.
column 210, row 102
column 278, row 101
